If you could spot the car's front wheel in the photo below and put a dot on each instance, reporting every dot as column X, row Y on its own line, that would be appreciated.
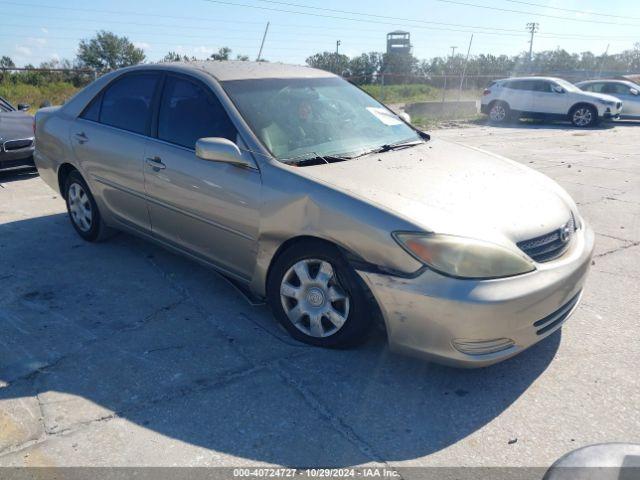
column 83, row 210
column 317, row 297
column 499, row 112
column 584, row 116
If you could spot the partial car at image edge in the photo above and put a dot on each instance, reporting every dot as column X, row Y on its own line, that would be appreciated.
column 625, row 90
column 16, row 137
column 319, row 199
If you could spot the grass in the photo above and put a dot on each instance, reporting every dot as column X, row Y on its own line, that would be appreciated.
column 411, row 93
column 54, row 92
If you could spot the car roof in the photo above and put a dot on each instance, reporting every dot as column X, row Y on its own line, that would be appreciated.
column 553, row 79
column 606, row 80
column 241, row 70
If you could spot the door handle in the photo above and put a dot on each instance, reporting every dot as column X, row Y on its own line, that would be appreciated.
column 81, row 137
column 155, row 163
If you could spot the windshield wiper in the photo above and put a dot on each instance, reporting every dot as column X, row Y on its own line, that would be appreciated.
column 390, row 146
column 315, row 159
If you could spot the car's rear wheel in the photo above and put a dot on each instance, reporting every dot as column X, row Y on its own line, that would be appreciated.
column 83, row 210
column 584, row 116
column 317, row 297
column 499, row 112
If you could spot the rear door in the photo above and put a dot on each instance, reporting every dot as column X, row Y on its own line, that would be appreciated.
column 208, row 208
column 108, row 140
column 517, row 94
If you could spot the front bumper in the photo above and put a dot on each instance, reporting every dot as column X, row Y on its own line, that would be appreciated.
column 16, row 159
column 427, row 315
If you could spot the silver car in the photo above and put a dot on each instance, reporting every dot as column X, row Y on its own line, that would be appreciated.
column 319, row 199
column 625, row 90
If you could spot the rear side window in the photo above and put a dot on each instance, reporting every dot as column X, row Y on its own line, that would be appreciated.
column 189, row 111
column 92, row 112
column 519, row 85
column 126, row 104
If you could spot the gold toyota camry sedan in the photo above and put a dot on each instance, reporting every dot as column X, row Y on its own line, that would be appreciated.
column 321, row 200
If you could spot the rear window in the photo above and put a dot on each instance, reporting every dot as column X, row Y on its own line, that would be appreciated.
column 126, row 104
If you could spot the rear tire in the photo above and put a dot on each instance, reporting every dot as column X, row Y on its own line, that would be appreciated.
column 583, row 116
column 317, row 297
column 83, row 210
column 499, row 112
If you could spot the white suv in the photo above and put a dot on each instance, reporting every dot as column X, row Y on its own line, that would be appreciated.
column 546, row 97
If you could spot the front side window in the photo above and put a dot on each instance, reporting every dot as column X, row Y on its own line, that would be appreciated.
column 127, row 103
column 542, row 86
column 616, row 89
column 189, row 112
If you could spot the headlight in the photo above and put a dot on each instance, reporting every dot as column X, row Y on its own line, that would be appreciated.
column 606, row 102
column 463, row 257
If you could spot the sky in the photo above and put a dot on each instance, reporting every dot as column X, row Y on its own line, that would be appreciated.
column 39, row 30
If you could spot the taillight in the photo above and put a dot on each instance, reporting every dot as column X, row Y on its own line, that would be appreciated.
column 486, row 91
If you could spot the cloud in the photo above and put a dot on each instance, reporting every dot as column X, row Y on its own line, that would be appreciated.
column 142, row 45
column 23, row 50
column 44, row 30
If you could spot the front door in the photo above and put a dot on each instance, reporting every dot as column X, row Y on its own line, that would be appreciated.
column 208, row 208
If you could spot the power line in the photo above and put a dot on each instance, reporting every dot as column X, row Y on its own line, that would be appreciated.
column 583, row 20
column 492, row 32
column 571, row 10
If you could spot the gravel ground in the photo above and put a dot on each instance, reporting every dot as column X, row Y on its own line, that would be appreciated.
column 122, row 354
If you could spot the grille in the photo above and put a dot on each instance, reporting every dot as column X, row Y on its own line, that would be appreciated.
column 551, row 245
column 556, row 318
column 10, row 145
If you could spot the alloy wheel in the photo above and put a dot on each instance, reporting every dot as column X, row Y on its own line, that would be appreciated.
column 313, row 298
column 80, row 207
column 582, row 117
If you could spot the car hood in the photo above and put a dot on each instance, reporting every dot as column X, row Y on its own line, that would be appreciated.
column 444, row 187
column 600, row 96
column 15, row 125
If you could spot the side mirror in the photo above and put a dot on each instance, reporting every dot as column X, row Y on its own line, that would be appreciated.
column 216, row 149
column 634, row 92
column 405, row 116
column 558, row 90
column 23, row 107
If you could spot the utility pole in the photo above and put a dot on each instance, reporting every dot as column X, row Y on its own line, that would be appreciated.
column 602, row 62
column 444, row 87
column 464, row 69
column 533, row 28
column 338, row 43
column 264, row 37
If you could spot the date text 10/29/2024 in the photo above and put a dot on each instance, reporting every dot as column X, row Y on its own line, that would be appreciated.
column 372, row 472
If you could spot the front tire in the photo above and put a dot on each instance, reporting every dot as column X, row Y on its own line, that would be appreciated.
column 317, row 297
column 584, row 116
column 83, row 210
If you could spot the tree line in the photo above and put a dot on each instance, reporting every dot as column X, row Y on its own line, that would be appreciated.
column 107, row 51
column 371, row 67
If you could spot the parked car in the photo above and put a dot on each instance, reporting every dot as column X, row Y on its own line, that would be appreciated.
column 547, row 98
column 16, row 136
column 627, row 92
column 321, row 200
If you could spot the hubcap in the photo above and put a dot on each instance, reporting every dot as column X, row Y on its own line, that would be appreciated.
column 497, row 113
column 80, row 207
column 582, row 117
column 313, row 298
